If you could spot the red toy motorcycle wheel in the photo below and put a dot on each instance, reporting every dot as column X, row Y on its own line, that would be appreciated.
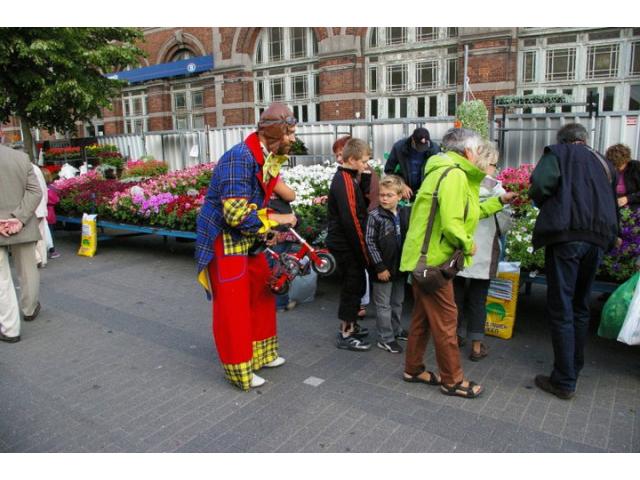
column 327, row 264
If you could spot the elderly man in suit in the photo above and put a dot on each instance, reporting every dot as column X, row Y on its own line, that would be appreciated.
column 19, row 197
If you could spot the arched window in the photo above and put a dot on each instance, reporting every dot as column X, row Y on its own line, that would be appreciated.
column 286, row 70
column 402, row 82
column 181, row 54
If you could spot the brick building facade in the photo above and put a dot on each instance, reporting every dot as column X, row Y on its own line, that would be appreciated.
column 342, row 73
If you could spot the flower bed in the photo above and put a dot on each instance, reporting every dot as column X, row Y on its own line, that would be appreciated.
column 145, row 168
column 172, row 200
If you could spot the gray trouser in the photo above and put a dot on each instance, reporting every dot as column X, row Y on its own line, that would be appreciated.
column 388, row 298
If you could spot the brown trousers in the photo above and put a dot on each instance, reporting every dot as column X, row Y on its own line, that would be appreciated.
column 434, row 314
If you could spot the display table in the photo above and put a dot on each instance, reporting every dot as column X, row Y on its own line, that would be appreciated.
column 132, row 230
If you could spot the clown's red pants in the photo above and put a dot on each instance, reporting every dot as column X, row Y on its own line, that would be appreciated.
column 244, row 313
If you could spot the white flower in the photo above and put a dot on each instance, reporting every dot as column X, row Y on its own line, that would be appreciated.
column 530, row 249
column 519, row 237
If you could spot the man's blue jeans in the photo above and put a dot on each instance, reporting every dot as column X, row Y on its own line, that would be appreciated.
column 571, row 268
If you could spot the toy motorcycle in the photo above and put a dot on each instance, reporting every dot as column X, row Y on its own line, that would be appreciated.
column 289, row 265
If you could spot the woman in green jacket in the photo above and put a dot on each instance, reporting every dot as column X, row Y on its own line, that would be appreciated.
column 457, row 215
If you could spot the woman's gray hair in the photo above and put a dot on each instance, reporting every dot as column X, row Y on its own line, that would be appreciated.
column 457, row 139
column 487, row 153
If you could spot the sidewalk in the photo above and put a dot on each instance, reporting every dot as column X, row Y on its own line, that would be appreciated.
column 121, row 359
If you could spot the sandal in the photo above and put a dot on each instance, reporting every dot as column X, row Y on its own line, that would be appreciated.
column 459, row 391
column 476, row 357
column 362, row 312
column 433, row 380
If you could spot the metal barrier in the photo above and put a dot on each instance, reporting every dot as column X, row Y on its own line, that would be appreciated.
column 181, row 149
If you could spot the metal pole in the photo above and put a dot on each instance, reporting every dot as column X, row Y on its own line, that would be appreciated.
column 465, row 81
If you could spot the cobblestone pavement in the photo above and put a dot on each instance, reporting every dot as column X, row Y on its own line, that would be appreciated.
column 121, row 359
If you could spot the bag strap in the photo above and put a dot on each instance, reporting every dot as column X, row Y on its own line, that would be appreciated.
column 602, row 162
column 434, row 207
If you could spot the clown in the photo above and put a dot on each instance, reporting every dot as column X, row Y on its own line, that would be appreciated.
column 233, row 219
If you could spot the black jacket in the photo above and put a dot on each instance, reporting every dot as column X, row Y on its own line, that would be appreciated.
column 632, row 183
column 577, row 200
column 347, row 213
column 398, row 161
column 384, row 250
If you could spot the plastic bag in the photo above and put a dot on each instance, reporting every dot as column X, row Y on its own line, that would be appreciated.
column 303, row 288
column 502, row 300
column 67, row 171
column 630, row 331
column 89, row 242
column 616, row 307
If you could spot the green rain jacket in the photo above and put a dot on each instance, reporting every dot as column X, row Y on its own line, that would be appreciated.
column 450, row 230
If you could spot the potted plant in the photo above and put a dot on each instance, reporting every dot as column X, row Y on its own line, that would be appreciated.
column 474, row 116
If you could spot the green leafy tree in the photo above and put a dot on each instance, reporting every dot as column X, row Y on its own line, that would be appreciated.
column 53, row 77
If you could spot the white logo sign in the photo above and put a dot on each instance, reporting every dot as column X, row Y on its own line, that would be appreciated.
column 191, row 67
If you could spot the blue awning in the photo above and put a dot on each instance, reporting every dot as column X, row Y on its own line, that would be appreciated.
column 163, row 70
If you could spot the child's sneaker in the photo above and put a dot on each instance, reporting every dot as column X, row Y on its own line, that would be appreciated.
column 391, row 347
column 403, row 335
column 352, row 343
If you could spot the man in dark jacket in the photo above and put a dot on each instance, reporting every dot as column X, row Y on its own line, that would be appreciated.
column 574, row 187
column 408, row 158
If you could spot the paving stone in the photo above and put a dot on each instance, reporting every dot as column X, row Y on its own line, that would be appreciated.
column 134, row 369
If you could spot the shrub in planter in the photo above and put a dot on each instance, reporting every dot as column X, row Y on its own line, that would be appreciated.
column 474, row 116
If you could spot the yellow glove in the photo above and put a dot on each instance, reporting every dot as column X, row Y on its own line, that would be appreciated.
column 271, row 167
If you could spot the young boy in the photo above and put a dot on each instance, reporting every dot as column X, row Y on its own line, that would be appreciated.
column 347, row 205
column 386, row 229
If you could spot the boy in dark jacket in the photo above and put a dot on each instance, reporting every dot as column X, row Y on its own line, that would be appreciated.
column 347, row 219
column 386, row 229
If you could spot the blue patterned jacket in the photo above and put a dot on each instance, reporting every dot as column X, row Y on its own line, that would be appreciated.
column 234, row 204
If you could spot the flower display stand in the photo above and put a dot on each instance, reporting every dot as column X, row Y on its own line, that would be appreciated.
column 131, row 230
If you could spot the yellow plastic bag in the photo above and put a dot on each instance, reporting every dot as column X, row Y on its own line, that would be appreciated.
column 502, row 300
column 89, row 242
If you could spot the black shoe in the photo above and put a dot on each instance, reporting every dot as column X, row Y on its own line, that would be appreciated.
column 4, row 338
column 391, row 347
column 544, row 382
column 352, row 343
column 403, row 335
column 359, row 332
column 32, row 317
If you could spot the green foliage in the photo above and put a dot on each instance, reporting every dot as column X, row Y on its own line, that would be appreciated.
column 533, row 99
column 312, row 221
column 298, row 148
column 518, row 248
column 474, row 116
column 53, row 77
